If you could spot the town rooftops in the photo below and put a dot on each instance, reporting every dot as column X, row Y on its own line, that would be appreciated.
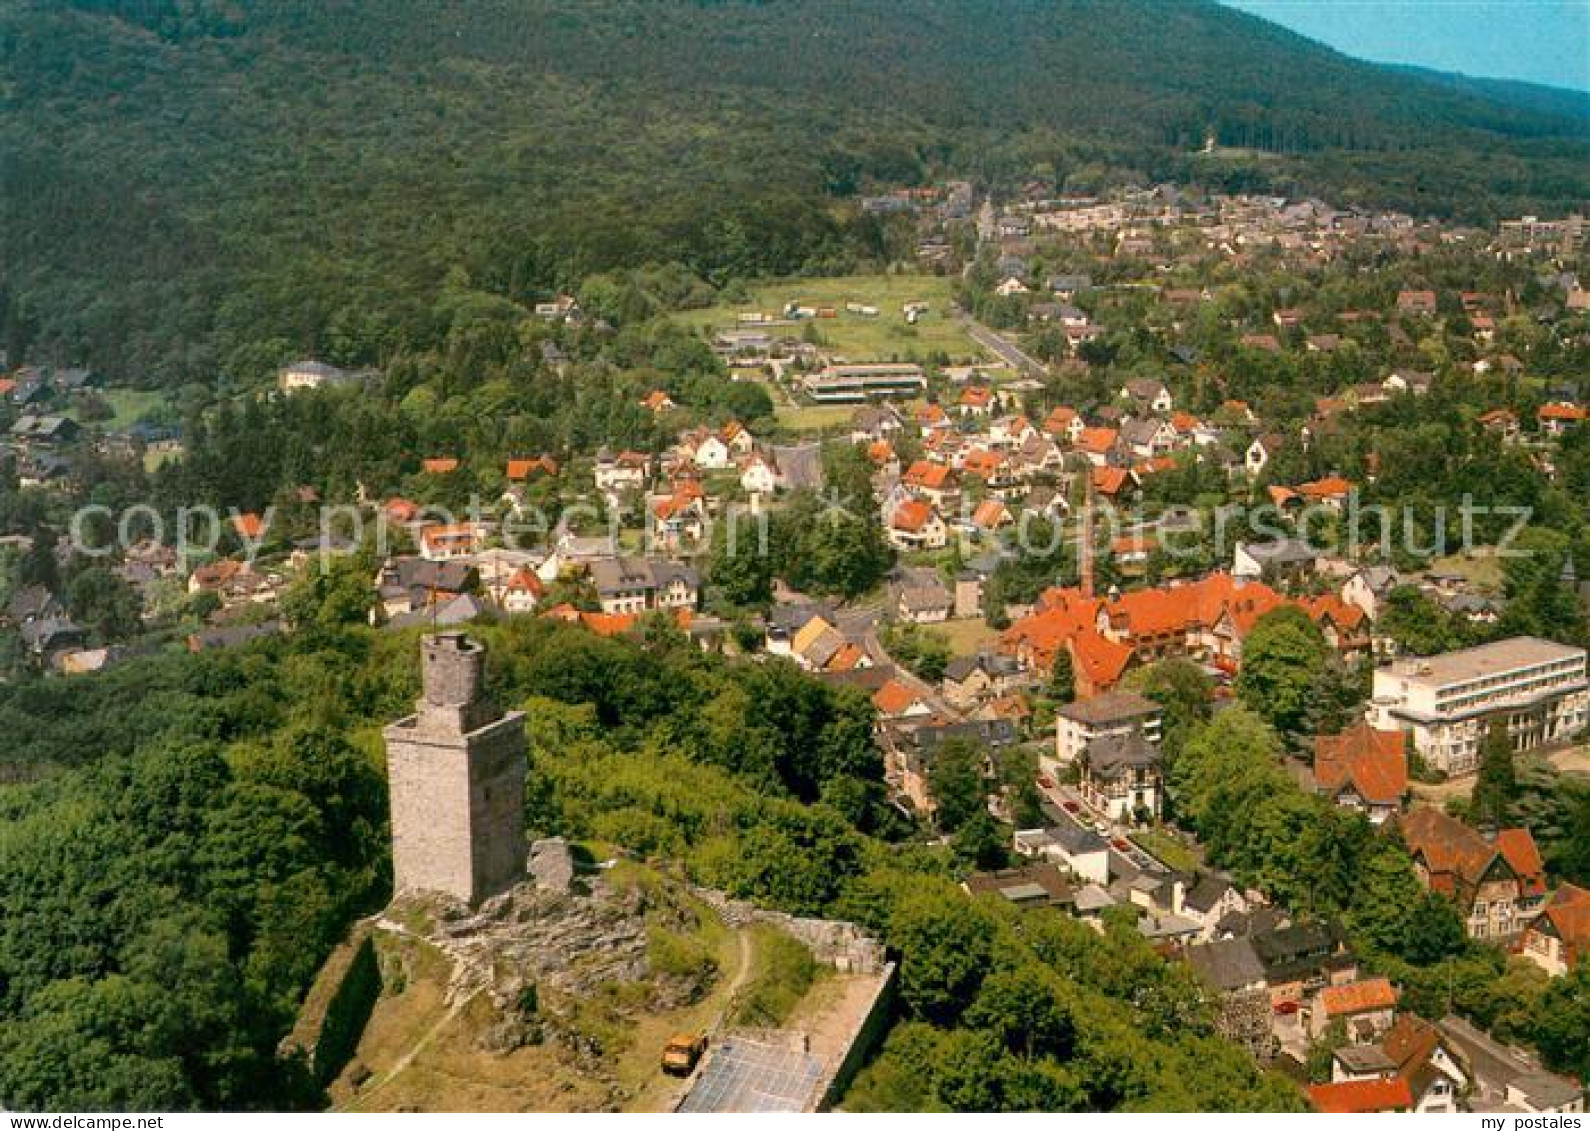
column 1358, row 997
column 1372, row 762
column 1075, row 839
column 1042, row 885
column 1229, row 964
column 1117, row 706
column 1362, row 1097
column 1114, row 755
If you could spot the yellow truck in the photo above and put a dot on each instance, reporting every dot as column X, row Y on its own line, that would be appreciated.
column 682, row 1053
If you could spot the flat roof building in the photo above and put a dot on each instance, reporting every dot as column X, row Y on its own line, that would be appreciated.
column 1538, row 687
column 843, row 384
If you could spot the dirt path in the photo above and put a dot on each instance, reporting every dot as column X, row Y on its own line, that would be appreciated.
column 420, row 1045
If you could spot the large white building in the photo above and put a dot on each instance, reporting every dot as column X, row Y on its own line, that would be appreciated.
column 1447, row 701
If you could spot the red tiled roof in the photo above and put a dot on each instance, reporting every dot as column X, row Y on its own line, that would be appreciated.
column 519, row 469
column 525, row 580
column 1563, row 411
column 911, row 515
column 1110, row 481
column 1099, row 660
column 1059, row 420
column 982, row 463
column 440, row 466
column 1097, row 440
column 401, row 510
column 923, row 473
column 893, row 698
column 1569, row 916
column 1357, row 1097
column 1518, row 848
column 248, row 525
column 1373, row 762
column 991, row 514
column 1331, row 487
column 1358, row 997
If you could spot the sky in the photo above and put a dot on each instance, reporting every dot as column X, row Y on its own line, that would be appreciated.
column 1543, row 41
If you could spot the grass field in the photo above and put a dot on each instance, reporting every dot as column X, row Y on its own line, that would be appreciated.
column 1170, row 851
column 128, row 404
column 860, row 338
column 968, row 637
column 1482, row 568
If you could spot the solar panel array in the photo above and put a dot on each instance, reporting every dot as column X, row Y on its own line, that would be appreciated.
column 743, row 1075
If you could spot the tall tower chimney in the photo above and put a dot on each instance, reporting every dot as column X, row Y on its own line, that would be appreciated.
column 1085, row 546
column 456, row 775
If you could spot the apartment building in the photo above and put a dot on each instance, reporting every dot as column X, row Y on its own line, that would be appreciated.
column 1114, row 714
column 1447, row 701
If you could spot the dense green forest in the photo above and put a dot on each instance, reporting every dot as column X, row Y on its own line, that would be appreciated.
column 201, row 189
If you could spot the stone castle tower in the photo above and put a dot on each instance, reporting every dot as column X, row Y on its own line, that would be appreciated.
column 456, row 773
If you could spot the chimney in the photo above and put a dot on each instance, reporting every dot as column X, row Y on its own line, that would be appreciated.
column 1085, row 548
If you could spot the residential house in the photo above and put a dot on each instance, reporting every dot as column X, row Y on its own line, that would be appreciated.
column 1078, row 849
column 1368, row 588
column 1147, row 396
column 896, row 700
column 1502, row 422
column 924, row 604
column 969, row 680
column 1232, row 969
column 872, row 423
column 1114, row 714
column 758, row 476
column 1363, row 769
column 1301, row 959
column 916, row 525
column 523, row 591
column 1122, row 776
column 311, row 374
column 1286, row 561
column 933, row 482
column 1408, row 381
column 1555, row 419
column 911, row 750
column 1064, row 423
column 1422, row 303
column 1425, row 1059
column 1558, row 938
column 445, row 542
column 627, row 471
column 1365, row 1009
column 1497, row 885
column 1505, row 1078
column 1034, row 885
column 636, row 585
column 406, row 585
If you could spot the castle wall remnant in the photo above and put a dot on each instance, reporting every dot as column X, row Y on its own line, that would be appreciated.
column 456, row 774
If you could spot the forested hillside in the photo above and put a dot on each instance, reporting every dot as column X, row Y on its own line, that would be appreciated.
column 214, row 185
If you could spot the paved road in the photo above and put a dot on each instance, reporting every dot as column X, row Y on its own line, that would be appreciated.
column 1002, row 347
column 1117, row 833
